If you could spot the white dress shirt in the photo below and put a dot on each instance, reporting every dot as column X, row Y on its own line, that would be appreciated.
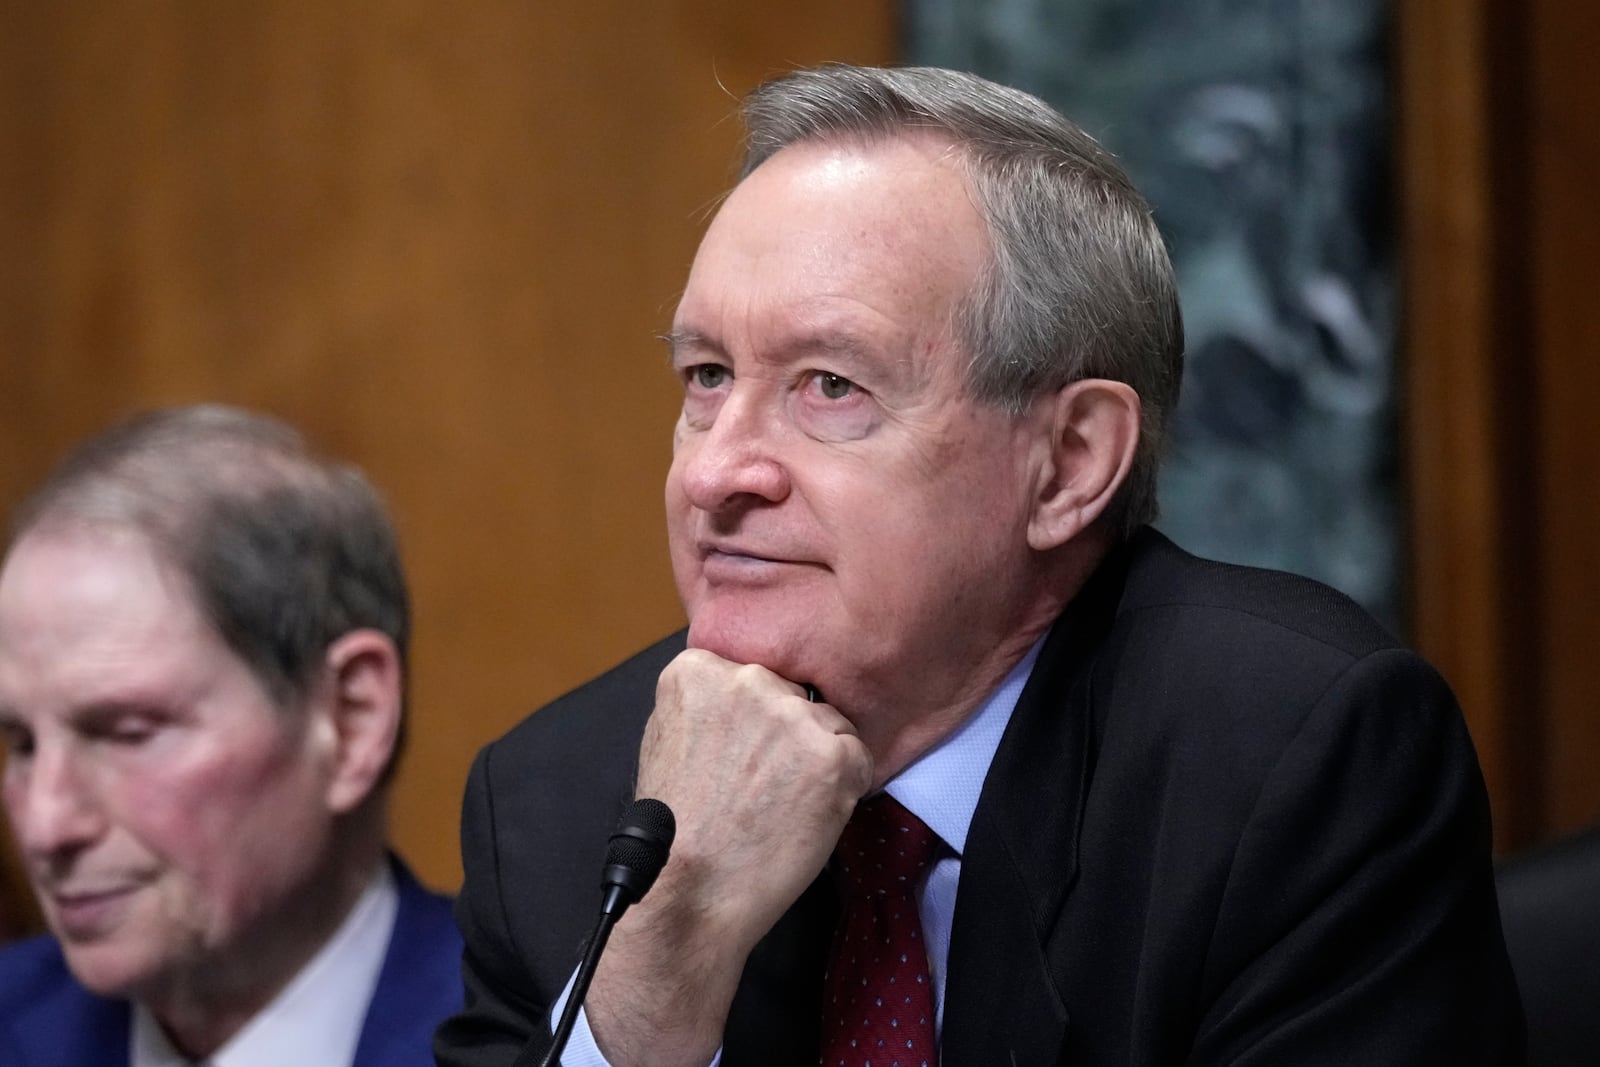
column 941, row 788
column 315, row 1020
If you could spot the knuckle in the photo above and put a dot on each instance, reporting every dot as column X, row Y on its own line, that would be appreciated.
column 750, row 678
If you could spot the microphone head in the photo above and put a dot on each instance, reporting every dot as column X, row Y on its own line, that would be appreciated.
column 637, row 852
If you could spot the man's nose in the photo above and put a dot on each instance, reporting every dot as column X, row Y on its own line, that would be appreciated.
column 54, row 805
column 737, row 460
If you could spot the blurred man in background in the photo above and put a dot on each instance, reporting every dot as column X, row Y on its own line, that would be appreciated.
column 203, row 634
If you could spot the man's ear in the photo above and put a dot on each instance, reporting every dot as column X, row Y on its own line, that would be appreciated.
column 1094, row 433
column 364, row 697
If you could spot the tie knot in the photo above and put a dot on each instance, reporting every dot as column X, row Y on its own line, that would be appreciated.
column 885, row 848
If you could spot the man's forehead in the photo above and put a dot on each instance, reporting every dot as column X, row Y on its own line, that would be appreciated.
column 86, row 561
column 847, row 150
column 913, row 180
column 94, row 608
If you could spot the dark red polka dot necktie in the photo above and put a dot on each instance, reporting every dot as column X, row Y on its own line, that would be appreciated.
column 877, row 1007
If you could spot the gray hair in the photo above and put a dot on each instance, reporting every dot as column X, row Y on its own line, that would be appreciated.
column 284, row 552
column 1079, row 284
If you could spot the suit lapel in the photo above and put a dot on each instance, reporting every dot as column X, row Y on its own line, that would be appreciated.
column 775, row 1014
column 104, row 1036
column 1003, row 1003
column 418, row 985
column 77, row 1028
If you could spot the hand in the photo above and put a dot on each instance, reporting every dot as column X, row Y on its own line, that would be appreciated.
column 762, row 782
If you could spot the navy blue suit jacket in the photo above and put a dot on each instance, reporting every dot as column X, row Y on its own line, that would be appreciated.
column 48, row 1020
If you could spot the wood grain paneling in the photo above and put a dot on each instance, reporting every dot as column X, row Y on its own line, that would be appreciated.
column 440, row 238
column 1500, row 156
column 1563, row 182
column 1463, row 593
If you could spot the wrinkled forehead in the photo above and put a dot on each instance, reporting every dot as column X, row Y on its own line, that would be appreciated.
column 61, row 546
column 886, row 227
column 913, row 187
column 87, row 556
column 83, row 607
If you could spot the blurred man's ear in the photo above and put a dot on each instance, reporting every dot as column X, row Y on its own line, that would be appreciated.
column 364, row 704
column 1094, row 426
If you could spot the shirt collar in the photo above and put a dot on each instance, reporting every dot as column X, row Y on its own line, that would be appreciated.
column 317, row 1017
column 941, row 786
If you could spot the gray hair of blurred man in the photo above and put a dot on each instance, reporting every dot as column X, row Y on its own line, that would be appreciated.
column 1079, row 283
column 284, row 552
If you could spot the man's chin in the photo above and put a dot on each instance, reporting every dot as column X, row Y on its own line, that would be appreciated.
column 109, row 969
column 772, row 647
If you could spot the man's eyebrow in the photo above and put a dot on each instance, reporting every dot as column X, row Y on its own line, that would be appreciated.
column 115, row 706
column 101, row 711
column 831, row 344
column 824, row 343
column 688, row 339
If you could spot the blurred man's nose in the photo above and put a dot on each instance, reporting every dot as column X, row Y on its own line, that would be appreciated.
column 53, row 804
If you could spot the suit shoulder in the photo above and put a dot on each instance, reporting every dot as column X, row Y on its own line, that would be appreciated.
column 617, row 701
column 44, row 1011
column 1194, row 645
column 1271, row 607
column 420, row 983
column 32, row 972
column 584, row 744
column 426, row 918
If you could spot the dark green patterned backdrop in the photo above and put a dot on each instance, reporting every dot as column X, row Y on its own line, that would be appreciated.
column 1258, row 129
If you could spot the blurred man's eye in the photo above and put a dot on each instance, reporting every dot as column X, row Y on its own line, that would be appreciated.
column 123, row 727
column 131, row 731
column 15, row 741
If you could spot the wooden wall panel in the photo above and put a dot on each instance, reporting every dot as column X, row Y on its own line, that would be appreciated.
column 440, row 239
column 1452, row 379
column 1500, row 157
column 1563, row 181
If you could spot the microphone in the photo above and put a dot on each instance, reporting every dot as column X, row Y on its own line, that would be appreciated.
column 635, row 855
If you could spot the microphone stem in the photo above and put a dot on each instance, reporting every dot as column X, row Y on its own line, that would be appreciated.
column 580, row 987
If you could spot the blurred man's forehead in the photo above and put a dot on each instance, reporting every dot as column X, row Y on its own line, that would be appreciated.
column 93, row 618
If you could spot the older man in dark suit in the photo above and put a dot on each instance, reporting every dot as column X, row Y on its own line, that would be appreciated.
column 1070, row 795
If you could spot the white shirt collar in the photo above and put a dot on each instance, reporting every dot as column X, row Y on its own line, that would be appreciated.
column 942, row 786
column 317, row 1017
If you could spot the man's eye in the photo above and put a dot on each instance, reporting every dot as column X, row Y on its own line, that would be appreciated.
column 834, row 387
column 16, row 741
column 124, row 729
column 708, row 375
column 135, row 730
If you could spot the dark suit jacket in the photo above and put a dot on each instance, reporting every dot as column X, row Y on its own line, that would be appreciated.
column 48, row 1020
column 1231, row 821
column 1550, row 905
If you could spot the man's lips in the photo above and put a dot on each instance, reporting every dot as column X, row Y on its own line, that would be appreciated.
column 84, row 913
column 746, row 555
column 743, row 564
column 760, row 549
column 723, row 565
column 729, row 553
